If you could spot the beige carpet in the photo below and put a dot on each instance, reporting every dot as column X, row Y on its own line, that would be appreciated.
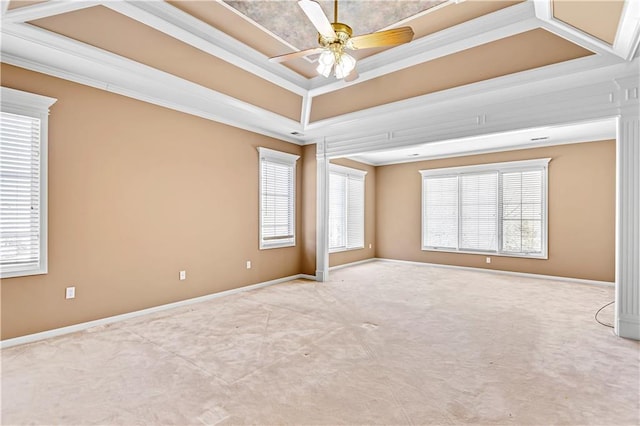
column 381, row 343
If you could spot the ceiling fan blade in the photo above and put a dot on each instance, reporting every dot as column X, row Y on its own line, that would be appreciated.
column 382, row 38
column 317, row 17
column 351, row 77
column 294, row 55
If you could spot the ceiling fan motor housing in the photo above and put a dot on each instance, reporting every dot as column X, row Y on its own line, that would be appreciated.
column 343, row 33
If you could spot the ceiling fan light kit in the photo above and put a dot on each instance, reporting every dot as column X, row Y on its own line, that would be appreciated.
column 334, row 38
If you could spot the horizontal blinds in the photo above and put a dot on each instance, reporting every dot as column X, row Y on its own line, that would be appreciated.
column 522, row 211
column 479, row 211
column 19, row 192
column 346, row 211
column 337, row 211
column 355, row 212
column 278, row 199
column 440, row 212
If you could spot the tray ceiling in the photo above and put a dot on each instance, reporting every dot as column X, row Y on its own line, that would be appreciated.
column 210, row 57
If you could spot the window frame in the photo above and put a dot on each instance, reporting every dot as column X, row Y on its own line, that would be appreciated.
column 37, row 106
column 358, row 174
column 499, row 169
column 270, row 155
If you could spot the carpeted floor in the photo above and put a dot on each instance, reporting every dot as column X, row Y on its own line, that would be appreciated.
column 382, row 342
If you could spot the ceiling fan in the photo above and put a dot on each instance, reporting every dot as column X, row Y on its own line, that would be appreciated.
column 335, row 38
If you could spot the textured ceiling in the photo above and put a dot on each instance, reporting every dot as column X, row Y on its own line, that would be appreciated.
column 285, row 19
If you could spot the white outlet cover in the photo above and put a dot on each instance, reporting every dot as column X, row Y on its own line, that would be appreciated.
column 183, row 275
column 70, row 293
column 248, row 264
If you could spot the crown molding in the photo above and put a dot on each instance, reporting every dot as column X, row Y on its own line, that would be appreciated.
column 44, row 10
column 42, row 51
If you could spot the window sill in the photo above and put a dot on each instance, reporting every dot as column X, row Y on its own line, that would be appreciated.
column 23, row 273
column 542, row 256
column 275, row 246
column 341, row 249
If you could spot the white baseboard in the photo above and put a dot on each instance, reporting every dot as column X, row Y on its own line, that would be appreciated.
column 498, row 271
column 345, row 265
column 29, row 338
column 628, row 327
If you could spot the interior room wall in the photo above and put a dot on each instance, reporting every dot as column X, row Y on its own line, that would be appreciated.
column 581, row 212
column 137, row 193
column 349, row 256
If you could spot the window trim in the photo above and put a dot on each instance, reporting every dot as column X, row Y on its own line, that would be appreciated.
column 509, row 166
column 289, row 160
column 32, row 105
column 358, row 174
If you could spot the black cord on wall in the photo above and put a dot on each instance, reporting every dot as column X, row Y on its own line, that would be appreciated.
column 596, row 315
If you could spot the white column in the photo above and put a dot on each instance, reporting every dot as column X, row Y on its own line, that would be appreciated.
column 627, row 321
column 322, row 221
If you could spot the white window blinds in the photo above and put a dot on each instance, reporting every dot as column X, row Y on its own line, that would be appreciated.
column 346, row 208
column 479, row 211
column 490, row 208
column 440, row 212
column 277, row 198
column 522, row 212
column 19, row 191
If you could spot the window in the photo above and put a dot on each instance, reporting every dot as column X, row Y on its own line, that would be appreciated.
column 496, row 208
column 23, row 183
column 346, row 208
column 277, row 199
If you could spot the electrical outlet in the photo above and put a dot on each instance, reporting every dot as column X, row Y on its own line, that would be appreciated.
column 248, row 264
column 183, row 275
column 70, row 293
column 369, row 245
column 488, row 260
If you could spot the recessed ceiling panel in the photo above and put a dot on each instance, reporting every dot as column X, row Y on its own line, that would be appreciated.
column 287, row 21
column 265, row 40
column 525, row 51
column 597, row 18
column 103, row 28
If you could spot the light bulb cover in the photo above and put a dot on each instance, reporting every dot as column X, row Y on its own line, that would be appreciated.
column 346, row 63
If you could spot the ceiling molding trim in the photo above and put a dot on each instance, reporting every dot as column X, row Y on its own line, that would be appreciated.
column 628, row 35
column 384, row 116
column 180, row 25
column 44, row 10
column 494, row 26
column 590, row 97
column 305, row 114
column 75, row 61
column 544, row 13
column 511, row 147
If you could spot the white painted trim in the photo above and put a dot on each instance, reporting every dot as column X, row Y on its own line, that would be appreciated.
column 628, row 35
column 30, row 338
column 501, row 272
column 33, row 105
column 628, row 327
column 347, row 171
column 46, row 9
column 322, row 213
column 359, row 262
column 289, row 160
column 178, row 24
column 29, row 47
column 493, row 167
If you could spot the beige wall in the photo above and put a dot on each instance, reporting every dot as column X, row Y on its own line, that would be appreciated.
column 581, row 212
column 136, row 193
column 341, row 258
